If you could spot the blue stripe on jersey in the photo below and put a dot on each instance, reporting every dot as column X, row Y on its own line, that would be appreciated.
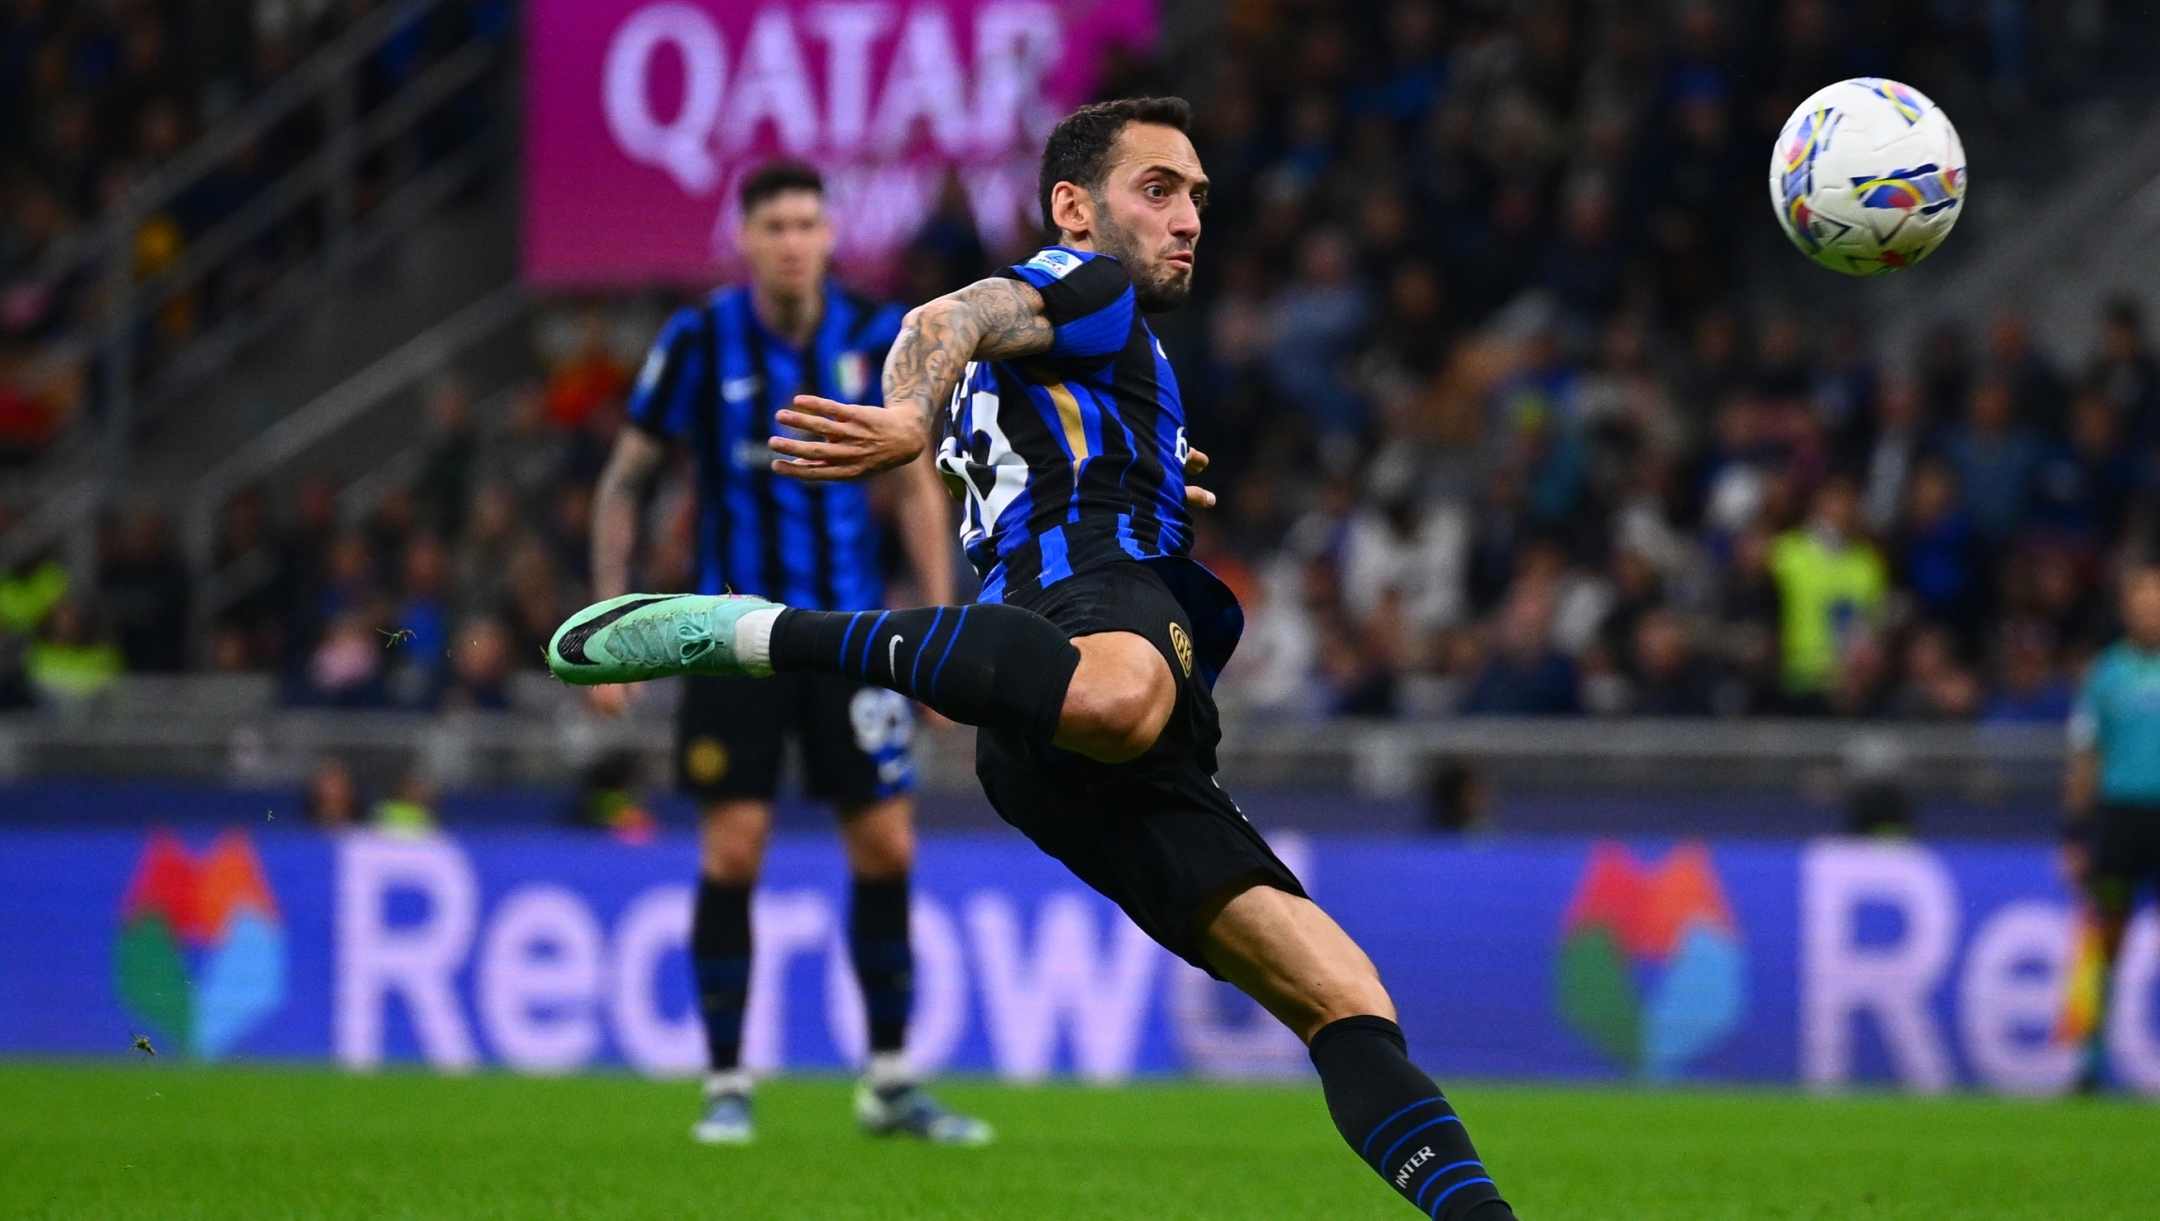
column 1055, row 567
column 1101, row 331
column 666, row 387
column 715, row 376
column 1174, row 536
column 742, row 566
column 1126, row 540
column 1095, row 426
column 1098, row 334
column 1095, row 409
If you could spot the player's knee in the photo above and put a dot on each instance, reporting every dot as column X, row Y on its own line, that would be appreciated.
column 1118, row 712
column 1356, row 992
column 880, row 842
column 731, row 849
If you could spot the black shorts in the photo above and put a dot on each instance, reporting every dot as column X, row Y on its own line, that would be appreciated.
column 1157, row 836
column 731, row 737
column 2126, row 853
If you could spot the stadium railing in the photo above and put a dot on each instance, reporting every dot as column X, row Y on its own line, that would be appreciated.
column 419, row 358
column 232, row 729
column 84, row 469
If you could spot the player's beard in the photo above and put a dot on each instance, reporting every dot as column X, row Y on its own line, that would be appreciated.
column 1157, row 286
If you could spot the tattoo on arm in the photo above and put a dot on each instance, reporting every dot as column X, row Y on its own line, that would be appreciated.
column 615, row 510
column 991, row 319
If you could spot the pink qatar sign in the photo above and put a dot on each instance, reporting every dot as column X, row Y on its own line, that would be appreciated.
column 642, row 116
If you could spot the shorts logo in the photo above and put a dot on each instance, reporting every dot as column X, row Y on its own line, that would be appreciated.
column 1182, row 643
column 705, row 760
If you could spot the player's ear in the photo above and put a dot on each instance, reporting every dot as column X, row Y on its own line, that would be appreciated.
column 1072, row 209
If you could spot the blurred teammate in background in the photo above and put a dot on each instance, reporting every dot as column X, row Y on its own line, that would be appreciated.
column 2111, row 839
column 715, row 377
column 1090, row 658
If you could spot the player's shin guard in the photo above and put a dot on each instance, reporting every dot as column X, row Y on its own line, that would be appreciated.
column 720, row 959
column 884, row 965
column 987, row 664
column 1399, row 1122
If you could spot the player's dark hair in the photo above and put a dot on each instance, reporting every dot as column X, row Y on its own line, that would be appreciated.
column 1078, row 150
column 776, row 178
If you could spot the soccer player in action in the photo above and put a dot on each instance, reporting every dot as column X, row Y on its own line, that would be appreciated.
column 2111, row 833
column 715, row 377
column 1088, row 662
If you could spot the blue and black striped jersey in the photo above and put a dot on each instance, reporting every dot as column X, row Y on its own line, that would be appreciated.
column 714, row 378
column 1074, row 458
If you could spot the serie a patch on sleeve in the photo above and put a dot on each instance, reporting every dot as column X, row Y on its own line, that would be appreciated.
column 1057, row 264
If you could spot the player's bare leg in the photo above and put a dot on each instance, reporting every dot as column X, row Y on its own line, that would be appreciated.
column 1119, row 699
column 1292, row 958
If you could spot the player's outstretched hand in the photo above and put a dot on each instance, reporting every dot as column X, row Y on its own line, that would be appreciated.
column 1196, row 498
column 849, row 441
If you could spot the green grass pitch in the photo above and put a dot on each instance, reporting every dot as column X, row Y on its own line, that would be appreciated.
column 156, row 1140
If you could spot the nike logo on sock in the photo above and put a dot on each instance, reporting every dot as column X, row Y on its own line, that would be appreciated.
column 892, row 656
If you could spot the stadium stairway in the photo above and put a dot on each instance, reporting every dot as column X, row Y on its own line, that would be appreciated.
column 399, row 216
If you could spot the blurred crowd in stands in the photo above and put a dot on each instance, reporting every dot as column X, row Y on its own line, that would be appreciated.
column 95, row 94
column 1497, row 425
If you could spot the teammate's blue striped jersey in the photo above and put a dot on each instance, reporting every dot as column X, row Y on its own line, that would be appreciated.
column 714, row 378
column 1074, row 458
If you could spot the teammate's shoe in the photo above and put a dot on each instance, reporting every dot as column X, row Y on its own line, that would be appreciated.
column 909, row 1110
column 726, row 1122
column 641, row 636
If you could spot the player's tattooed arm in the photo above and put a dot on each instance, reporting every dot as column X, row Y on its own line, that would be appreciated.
column 994, row 319
column 615, row 509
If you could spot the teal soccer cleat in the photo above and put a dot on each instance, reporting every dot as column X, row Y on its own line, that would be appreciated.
column 641, row 636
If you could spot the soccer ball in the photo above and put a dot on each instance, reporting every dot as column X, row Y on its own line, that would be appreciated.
column 1868, row 176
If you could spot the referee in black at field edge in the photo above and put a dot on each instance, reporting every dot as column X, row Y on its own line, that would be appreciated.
column 2111, row 830
column 716, row 375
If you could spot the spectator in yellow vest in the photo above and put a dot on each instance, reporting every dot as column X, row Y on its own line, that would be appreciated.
column 1831, row 583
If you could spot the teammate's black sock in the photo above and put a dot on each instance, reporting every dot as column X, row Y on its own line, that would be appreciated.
column 987, row 664
column 1399, row 1122
column 885, row 966
column 720, row 958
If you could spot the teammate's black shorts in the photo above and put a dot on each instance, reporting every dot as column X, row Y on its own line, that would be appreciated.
column 2126, row 853
column 731, row 735
column 1157, row 835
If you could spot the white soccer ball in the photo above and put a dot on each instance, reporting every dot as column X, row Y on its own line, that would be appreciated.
column 1868, row 176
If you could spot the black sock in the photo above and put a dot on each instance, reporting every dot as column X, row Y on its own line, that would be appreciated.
column 885, row 966
column 987, row 664
column 720, row 958
column 1399, row 1122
